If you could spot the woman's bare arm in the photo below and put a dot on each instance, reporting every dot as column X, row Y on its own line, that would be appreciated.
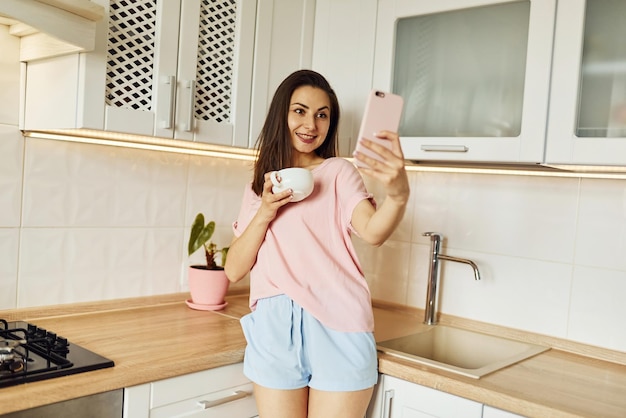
column 243, row 249
column 376, row 225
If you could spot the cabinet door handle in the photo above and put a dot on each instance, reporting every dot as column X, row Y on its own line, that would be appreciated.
column 191, row 85
column 239, row 394
column 445, row 148
column 171, row 81
column 387, row 403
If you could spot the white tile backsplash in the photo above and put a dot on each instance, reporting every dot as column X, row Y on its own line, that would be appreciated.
column 597, row 309
column 216, row 188
column 87, row 222
column 63, row 265
column 9, row 244
column 82, row 185
column 11, row 163
column 386, row 269
column 601, row 240
column 500, row 214
column 532, row 295
column 527, row 294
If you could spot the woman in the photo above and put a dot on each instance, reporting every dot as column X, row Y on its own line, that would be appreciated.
column 311, row 351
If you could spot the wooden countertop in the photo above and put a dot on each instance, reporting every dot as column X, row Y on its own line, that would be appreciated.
column 165, row 338
column 146, row 343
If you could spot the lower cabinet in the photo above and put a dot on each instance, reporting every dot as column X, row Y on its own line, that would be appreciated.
column 215, row 393
column 397, row 398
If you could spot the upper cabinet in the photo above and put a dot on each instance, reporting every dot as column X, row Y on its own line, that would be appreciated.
column 173, row 69
column 587, row 118
column 193, row 70
column 475, row 76
column 48, row 28
column 283, row 44
column 503, row 81
column 343, row 51
column 180, row 70
column 9, row 78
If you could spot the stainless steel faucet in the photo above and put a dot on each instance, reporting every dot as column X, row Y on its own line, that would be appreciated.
column 433, row 274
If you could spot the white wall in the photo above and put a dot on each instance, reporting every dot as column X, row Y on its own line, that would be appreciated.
column 94, row 222
column 550, row 251
column 100, row 222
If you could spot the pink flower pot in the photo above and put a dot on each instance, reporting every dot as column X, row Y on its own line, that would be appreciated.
column 207, row 287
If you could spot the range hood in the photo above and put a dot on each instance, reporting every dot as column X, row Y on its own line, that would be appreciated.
column 51, row 27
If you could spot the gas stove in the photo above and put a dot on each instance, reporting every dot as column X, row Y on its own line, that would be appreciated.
column 29, row 353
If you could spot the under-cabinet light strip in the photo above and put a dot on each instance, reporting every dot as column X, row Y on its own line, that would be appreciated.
column 152, row 145
column 208, row 150
column 536, row 172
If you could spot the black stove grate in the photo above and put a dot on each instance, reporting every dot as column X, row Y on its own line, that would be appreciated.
column 38, row 354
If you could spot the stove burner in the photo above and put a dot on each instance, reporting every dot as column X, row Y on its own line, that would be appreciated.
column 12, row 364
column 7, row 355
column 29, row 353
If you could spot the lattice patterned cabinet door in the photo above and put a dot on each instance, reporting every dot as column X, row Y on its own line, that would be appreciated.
column 142, row 46
column 130, row 64
column 215, row 71
column 181, row 69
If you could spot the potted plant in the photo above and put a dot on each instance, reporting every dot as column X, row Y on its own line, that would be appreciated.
column 208, row 283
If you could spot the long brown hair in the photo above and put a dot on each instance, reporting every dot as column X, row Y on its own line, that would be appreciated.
column 274, row 141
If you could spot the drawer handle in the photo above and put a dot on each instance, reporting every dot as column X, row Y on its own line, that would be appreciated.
column 239, row 394
column 389, row 394
column 445, row 148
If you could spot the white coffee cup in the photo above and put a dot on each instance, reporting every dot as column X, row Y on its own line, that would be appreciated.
column 300, row 180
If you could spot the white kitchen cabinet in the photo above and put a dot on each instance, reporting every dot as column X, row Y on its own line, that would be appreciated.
column 51, row 28
column 343, row 51
column 9, row 77
column 490, row 412
column 398, row 398
column 173, row 69
column 283, row 44
column 587, row 119
column 215, row 393
column 474, row 74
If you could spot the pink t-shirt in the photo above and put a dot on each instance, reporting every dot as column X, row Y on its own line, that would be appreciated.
column 308, row 254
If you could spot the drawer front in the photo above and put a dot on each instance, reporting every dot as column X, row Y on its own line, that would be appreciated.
column 235, row 402
column 176, row 389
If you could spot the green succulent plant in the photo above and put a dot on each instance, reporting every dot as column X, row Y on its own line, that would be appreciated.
column 201, row 237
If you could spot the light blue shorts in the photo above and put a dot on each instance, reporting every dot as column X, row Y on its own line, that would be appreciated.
column 290, row 349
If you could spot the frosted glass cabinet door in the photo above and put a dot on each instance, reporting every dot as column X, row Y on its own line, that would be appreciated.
column 474, row 75
column 587, row 123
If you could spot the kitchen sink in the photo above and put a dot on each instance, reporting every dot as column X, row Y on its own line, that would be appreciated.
column 468, row 353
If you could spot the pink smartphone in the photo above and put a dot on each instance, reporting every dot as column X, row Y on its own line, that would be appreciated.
column 382, row 113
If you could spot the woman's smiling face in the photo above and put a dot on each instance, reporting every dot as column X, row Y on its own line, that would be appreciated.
column 308, row 119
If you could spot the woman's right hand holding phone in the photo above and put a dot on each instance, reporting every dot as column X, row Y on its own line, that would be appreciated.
column 387, row 167
column 375, row 225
